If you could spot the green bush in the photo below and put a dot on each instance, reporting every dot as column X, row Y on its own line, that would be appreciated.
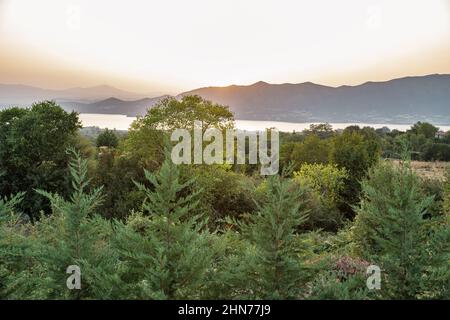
column 311, row 150
column 273, row 262
column 108, row 139
column 33, row 145
column 224, row 193
column 391, row 230
column 165, row 249
column 357, row 152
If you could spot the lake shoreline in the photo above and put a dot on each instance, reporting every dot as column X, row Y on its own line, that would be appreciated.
column 122, row 122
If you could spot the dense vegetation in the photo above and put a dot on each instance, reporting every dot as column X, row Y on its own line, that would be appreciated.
column 140, row 227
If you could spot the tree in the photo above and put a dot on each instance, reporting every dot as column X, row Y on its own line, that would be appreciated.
column 311, row 150
column 32, row 154
column 223, row 192
column 425, row 128
column 116, row 173
column 165, row 247
column 107, row 139
column 327, row 183
column 146, row 135
column 322, row 130
column 34, row 258
column 446, row 138
column 436, row 152
column 171, row 113
column 15, row 248
column 75, row 235
column 273, row 265
column 328, row 180
column 390, row 230
column 356, row 152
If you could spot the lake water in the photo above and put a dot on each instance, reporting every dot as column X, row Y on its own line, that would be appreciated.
column 122, row 122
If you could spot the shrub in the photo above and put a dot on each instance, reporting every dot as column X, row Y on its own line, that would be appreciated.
column 357, row 153
column 224, row 193
column 311, row 150
column 165, row 248
column 107, row 139
column 390, row 229
column 327, row 180
column 273, row 261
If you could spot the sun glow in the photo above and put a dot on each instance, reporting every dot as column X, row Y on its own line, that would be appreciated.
column 178, row 45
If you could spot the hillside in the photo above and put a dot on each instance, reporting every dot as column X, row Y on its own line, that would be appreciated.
column 113, row 106
column 403, row 100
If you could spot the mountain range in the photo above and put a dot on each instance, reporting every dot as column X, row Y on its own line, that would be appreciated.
column 404, row 100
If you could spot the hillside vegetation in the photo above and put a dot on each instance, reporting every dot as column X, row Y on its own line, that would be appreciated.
column 140, row 227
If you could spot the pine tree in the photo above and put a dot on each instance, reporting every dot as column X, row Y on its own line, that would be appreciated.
column 12, row 246
column 390, row 230
column 274, row 265
column 165, row 247
column 75, row 235
column 8, row 205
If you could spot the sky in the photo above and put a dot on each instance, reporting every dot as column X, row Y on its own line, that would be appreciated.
column 170, row 46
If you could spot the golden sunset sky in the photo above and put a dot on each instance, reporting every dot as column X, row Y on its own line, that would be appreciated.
column 170, row 46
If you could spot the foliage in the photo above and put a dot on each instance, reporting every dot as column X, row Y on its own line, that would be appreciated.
column 116, row 173
column 322, row 130
column 170, row 114
column 165, row 248
column 436, row 151
column 146, row 139
column 273, row 267
column 433, row 188
column 32, row 154
column 356, row 152
column 326, row 184
column 224, row 193
column 328, row 180
column 311, row 150
column 390, row 229
column 281, row 237
column 328, row 286
column 107, row 138
column 73, row 235
column 424, row 128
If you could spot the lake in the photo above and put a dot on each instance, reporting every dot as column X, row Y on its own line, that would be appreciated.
column 122, row 122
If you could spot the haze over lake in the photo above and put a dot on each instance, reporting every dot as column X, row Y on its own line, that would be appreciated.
column 122, row 122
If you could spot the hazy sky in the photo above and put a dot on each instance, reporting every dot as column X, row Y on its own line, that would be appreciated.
column 175, row 45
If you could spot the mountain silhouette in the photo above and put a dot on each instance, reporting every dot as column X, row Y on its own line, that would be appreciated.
column 404, row 100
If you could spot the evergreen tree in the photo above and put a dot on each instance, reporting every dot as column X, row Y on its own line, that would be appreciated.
column 74, row 235
column 274, row 268
column 391, row 231
column 7, row 206
column 165, row 247
column 10, row 252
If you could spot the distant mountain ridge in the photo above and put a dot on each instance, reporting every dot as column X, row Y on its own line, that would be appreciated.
column 23, row 94
column 401, row 101
column 114, row 106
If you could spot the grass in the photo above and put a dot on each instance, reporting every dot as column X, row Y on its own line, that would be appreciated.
column 429, row 169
